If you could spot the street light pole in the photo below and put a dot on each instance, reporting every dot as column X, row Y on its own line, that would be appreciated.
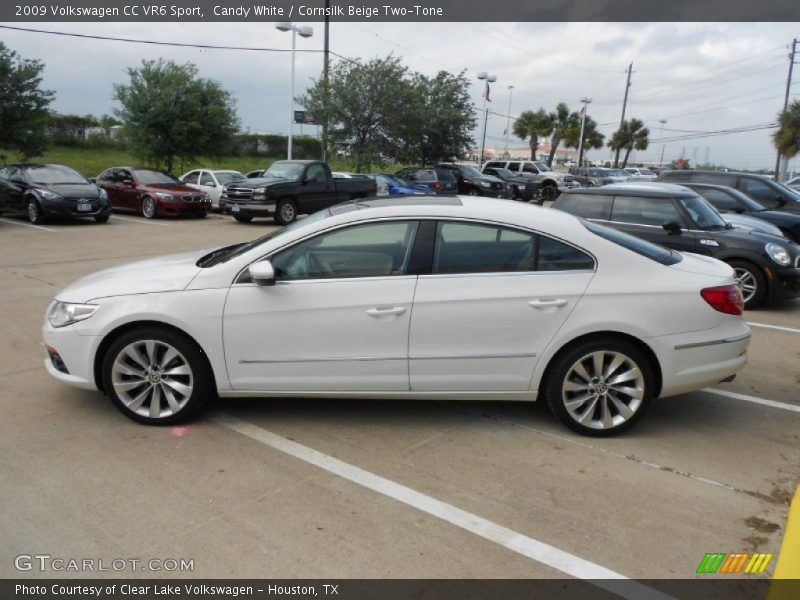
column 306, row 32
column 586, row 101
column 508, row 120
column 661, row 135
column 484, row 76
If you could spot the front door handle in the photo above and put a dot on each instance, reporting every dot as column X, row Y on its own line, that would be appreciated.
column 385, row 311
column 548, row 303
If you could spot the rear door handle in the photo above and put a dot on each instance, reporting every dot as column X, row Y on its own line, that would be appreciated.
column 549, row 303
column 384, row 311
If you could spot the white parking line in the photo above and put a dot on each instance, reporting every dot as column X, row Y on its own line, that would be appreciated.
column 754, row 399
column 778, row 327
column 31, row 225
column 139, row 221
column 546, row 554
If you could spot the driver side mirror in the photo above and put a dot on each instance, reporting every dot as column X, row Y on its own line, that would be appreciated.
column 262, row 273
column 780, row 200
column 672, row 227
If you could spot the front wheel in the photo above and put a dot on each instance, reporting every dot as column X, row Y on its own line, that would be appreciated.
column 148, row 207
column 102, row 218
column 601, row 387
column 156, row 376
column 473, row 192
column 34, row 211
column 243, row 219
column 286, row 212
column 751, row 281
column 549, row 193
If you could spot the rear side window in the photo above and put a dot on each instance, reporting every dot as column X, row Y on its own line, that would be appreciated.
column 463, row 248
column 681, row 175
column 639, row 210
column 715, row 178
column 662, row 255
column 426, row 175
column 759, row 191
column 588, row 206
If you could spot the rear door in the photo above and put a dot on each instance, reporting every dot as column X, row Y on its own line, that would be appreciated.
column 495, row 298
column 644, row 217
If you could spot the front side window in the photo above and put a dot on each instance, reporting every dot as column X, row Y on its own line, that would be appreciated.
column 463, row 248
column 370, row 250
column 645, row 211
column 191, row 177
column 703, row 213
column 206, row 179
column 315, row 173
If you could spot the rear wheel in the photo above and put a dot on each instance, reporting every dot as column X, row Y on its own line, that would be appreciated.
column 600, row 387
column 751, row 281
column 156, row 376
column 286, row 212
column 243, row 219
column 549, row 193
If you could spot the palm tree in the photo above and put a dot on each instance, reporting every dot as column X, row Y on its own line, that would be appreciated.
column 591, row 137
column 565, row 125
column 531, row 125
column 630, row 135
column 787, row 138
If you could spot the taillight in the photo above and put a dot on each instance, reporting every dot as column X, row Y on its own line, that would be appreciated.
column 725, row 298
column 437, row 185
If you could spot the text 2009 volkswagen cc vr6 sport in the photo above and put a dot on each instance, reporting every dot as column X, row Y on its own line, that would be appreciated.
column 456, row 298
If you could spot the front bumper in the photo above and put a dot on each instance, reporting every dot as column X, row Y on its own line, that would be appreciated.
column 75, row 351
column 179, row 207
column 248, row 209
column 783, row 283
column 69, row 208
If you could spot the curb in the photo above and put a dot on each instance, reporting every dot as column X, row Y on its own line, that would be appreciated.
column 788, row 565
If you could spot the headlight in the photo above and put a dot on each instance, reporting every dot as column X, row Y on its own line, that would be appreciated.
column 779, row 254
column 102, row 194
column 259, row 193
column 164, row 196
column 62, row 314
column 48, row 195
column 485, row 184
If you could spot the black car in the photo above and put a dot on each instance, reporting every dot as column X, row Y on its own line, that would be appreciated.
column 440, row 181
column 517, row 187
column 39, row 191
column 762, row 189
column 729, row 200
column 766, row 266
column 474, row 183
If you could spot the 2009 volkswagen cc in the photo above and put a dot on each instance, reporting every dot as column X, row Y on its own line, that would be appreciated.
column 452, row 298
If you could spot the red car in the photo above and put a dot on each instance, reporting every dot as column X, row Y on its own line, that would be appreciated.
column 152, row 193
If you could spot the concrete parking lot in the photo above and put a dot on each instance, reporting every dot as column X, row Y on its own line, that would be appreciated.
column 358, row 489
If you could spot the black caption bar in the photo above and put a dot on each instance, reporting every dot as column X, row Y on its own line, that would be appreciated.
column 399, row 10
column 403, row 589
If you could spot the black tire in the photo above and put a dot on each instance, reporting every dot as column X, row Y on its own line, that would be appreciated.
column 549, row 193
column 285, row 211
column 473, row 192
column 748, row 276
column 145, row 208
column 202, row 215
column 102, row 218
column 34, row 211
column 243, row 219
column 200, row 379
column 563, row 375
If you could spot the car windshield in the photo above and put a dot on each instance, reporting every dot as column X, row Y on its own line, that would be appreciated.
column 542, row 166
column 703, row 213
column 228, row 176
column 224, row 254
column 471, row 171
column 151, row 177
column 503, row 173
column 285, row 170
column 660, row 254
column 56, row 174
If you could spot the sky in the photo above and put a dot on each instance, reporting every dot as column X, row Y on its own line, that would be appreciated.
column 699, row 77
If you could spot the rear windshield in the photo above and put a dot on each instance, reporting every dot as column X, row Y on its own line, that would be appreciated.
column 445, row 175
column 662, row 255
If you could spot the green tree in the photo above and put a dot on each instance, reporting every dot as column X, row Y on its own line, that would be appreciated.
column 23, row 105
column 531, row 125
column 632, row 135
column 787, row 137
column 566, row 124
column 169, row 112
column 592, row 138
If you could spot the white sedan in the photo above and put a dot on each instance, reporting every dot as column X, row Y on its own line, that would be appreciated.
column 436, row 298
column 211, row 182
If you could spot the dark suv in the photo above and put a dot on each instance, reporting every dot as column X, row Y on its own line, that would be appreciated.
column 438, row 181
column 766, row 266
column 474, row 183
column 39, row 191
column 762, row 189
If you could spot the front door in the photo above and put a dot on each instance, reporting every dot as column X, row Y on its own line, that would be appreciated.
column 337, row 318
column 494, row 300
column 644, row 217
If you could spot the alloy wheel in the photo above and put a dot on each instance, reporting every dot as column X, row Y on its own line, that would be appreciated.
column 287, row 212
column 33, row 211
column 148, row 208
column 603, row 389
column 152, row 378
column 747, row 283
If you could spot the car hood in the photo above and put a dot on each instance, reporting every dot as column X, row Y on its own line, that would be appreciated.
column 168, row 273
column 81, row 190
column 752, row 224
column 258, row 183
column 170, row 188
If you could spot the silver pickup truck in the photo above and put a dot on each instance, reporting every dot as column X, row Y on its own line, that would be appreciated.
column 552, row 182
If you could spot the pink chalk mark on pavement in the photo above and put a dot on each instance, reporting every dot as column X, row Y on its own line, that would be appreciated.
column 178, row 431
